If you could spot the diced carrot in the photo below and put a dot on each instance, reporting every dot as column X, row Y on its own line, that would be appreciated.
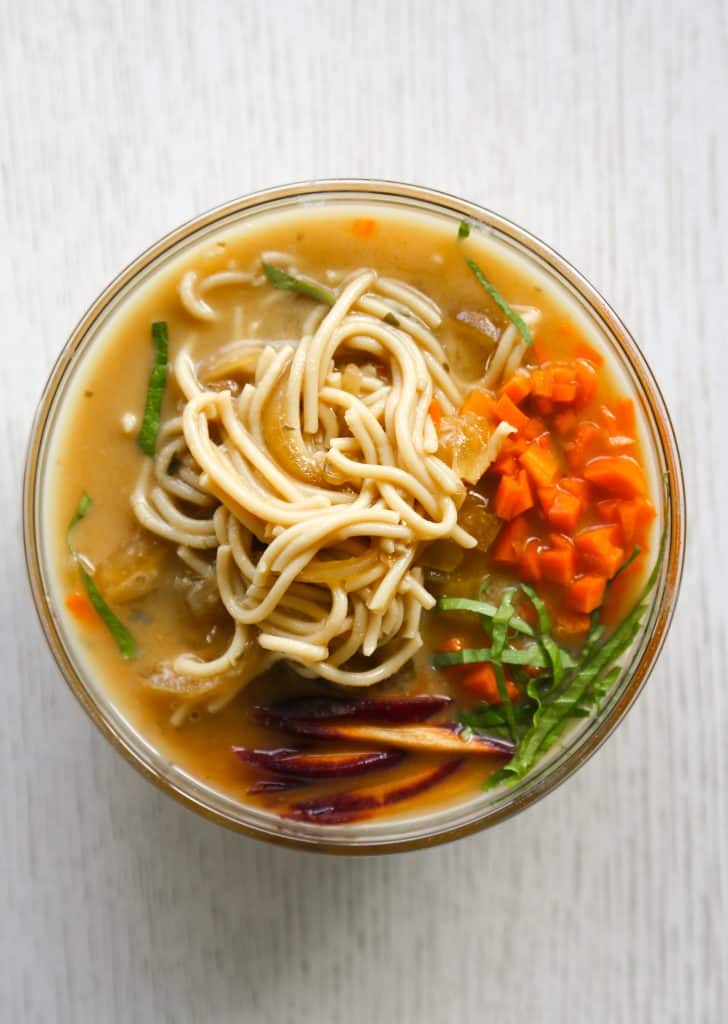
column 557, row 564
column 608, row 420
column 645, row 513
column 529, row 565
column 562, row 509
column 453, row 643
column 480, row 402
column 565, row 422
column 584, row 445
column 540, row 463
column 539, row 350
column 599, row 550
column 518, row 387
column 627, row 513
column 542, row 383
column 625, row 415
column 506, row 410
column 544, row 406
column 586, row 593
column 363, row 227
column 584, row 351
column 619, row 475
column 481, row 679
column 608, row 510
column 79, row 605
column 570, row 624
column 533, row 429
column 509, row 543
column 513, row 496
column 565, row 384
column 561, row 542
column 435, row 411
column 576, row 486
column 586, row 376
column 504, row 465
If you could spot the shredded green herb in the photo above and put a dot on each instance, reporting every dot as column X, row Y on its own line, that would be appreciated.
column 287, row 283
column 391, row 319
column 559, row 686
column 496, row 296
column 147, row 437
column 124, row 640
column 83, row 507
column 463, row 229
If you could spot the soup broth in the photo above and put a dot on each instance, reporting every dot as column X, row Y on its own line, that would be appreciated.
column 562, row 507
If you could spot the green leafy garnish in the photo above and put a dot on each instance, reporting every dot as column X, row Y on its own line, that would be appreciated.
column 147, row 437
column 83, row 507
column 287, row 283
column 557, row 686
column 496, row 296
column 125, row 641
column 463, row 229
column 467, row 604
column 391, row 319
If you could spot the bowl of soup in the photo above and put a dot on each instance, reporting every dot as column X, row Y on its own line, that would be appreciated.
column 353, row 516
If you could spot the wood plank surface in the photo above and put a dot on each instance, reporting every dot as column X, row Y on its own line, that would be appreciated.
column 600, row 126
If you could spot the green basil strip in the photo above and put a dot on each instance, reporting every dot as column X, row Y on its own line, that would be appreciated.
column 287, row 283
column 496, row 296
column 124, row 640
column 82, row 509
column 501, row 619
column 466, row 604
column 531, row 656
column 550, row 647
column 147, row 438
column 463, row 229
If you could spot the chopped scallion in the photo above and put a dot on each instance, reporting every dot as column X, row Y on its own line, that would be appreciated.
column 124, row 640
column 288, row 283
column 496, row 296
column 147, row 437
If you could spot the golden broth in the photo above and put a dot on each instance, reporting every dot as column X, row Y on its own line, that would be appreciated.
column 92, row 452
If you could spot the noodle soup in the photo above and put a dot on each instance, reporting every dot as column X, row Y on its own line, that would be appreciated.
column 351, row 514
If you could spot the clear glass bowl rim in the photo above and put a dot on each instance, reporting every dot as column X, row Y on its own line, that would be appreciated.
column 412, row 196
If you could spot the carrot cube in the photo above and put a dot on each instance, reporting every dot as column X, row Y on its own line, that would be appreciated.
column 557, row 564
column 586, row 593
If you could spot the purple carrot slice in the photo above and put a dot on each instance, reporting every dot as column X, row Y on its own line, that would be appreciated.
column 363, row 709
column 439, row 739
column 319, row 766
column 277, row 785
column 339, row 808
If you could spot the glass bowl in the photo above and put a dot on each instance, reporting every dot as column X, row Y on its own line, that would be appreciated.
column 484, row 809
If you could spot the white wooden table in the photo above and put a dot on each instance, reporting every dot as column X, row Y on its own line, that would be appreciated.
column 601, row 126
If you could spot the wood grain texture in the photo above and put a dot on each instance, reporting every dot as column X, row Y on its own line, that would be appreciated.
column 600, row 126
